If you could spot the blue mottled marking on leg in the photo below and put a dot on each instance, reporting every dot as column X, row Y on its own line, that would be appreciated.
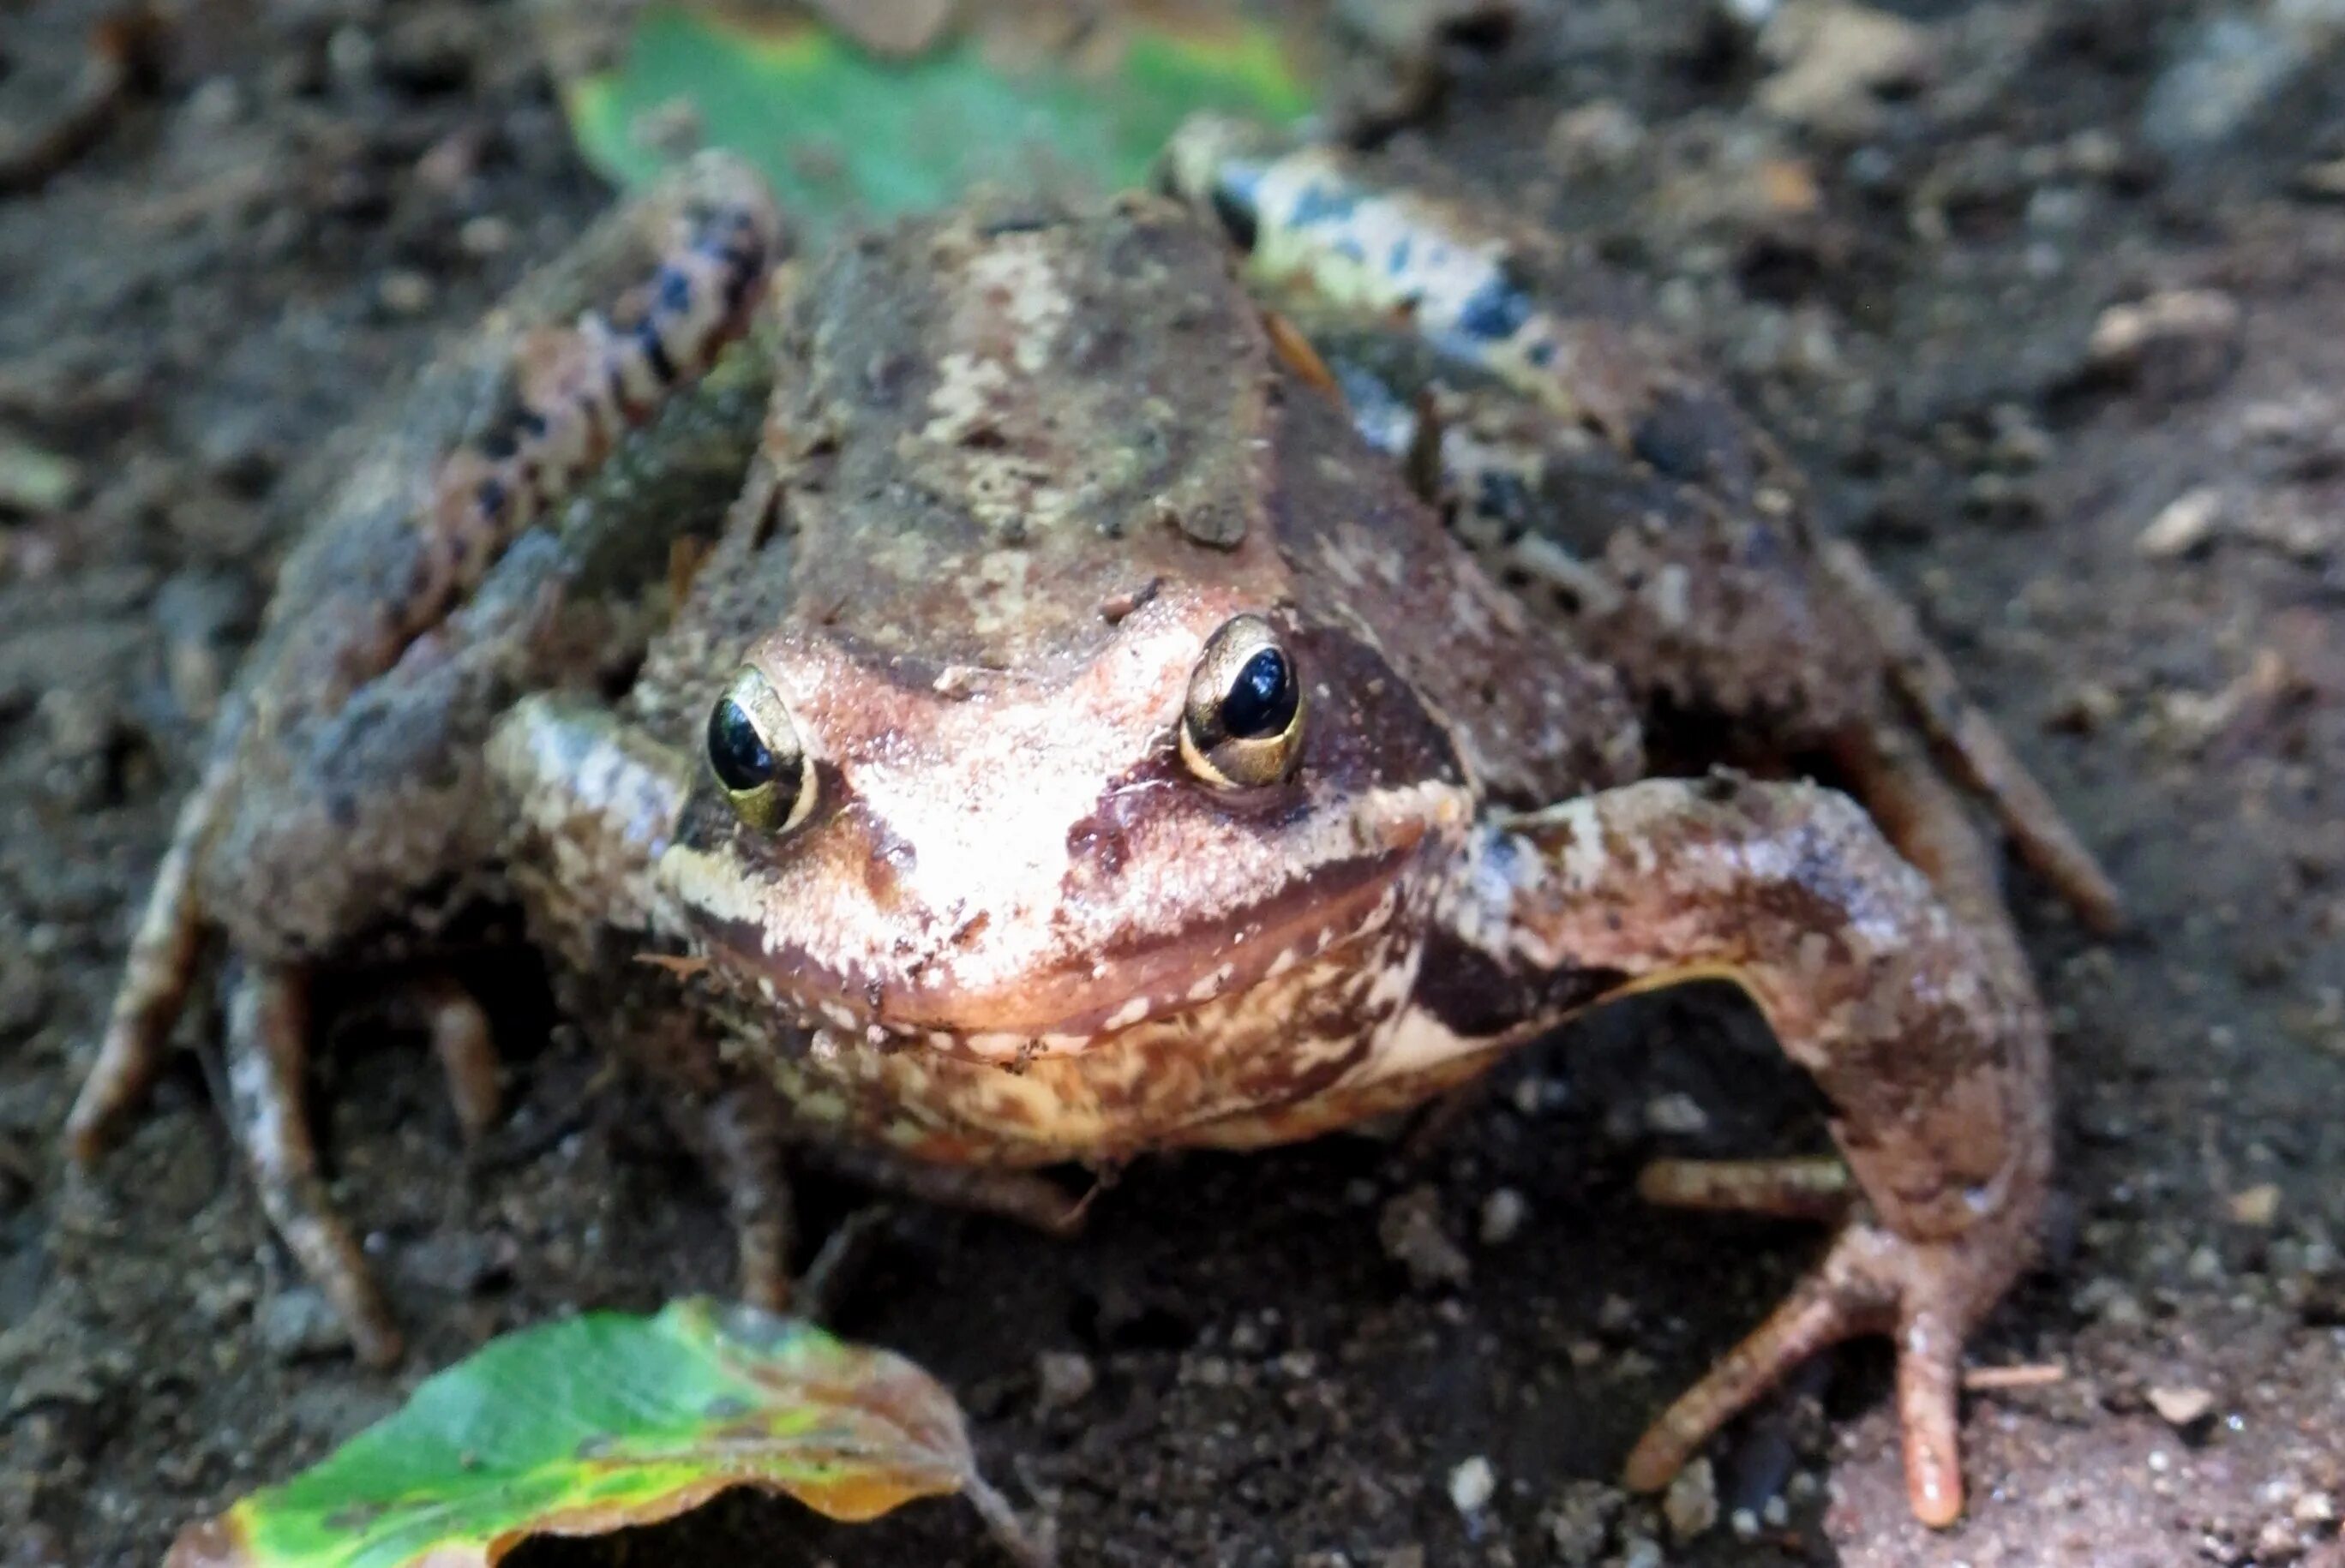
column 1495, row 312
column 1322, row 203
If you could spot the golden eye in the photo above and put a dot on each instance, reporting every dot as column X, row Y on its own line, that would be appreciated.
column 755, row 751
column 1243, row 725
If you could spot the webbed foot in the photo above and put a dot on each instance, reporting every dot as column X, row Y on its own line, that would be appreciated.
column 1924, row 1295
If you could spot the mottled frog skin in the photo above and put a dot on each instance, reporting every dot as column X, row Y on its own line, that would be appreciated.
column 1081, row 740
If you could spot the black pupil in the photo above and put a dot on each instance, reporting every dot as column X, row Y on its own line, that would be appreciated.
column 740, row 759
column 1262, row 699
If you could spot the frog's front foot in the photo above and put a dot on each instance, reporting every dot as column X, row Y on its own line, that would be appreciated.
column 744, row 1139
column 268, row 1046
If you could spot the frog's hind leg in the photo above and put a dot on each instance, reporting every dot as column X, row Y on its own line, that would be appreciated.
column 1969, row 741
column 268, row 1046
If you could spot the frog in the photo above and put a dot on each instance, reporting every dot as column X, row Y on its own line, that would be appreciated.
column 1092, row 731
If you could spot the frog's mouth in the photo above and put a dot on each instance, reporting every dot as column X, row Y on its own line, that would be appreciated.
column 999, row 1004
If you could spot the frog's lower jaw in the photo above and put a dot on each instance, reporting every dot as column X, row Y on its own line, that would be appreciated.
column 1923, row 1034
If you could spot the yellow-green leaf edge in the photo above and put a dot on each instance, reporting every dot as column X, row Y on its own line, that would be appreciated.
column 602, row 1420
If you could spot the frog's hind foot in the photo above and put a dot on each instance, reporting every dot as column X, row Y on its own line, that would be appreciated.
column 268, row 1045
column 1981, row 759
column 1873, row 1282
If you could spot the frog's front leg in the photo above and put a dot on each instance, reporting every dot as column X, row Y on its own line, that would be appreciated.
column 1923, row 1034
column 594, row 801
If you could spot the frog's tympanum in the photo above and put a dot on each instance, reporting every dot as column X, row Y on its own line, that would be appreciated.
column 1126, row 708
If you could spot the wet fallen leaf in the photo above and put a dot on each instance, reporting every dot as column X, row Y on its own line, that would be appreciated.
column 597, row 1422
column 840, row 129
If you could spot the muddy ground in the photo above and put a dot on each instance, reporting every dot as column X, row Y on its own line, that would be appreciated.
column 1903, row 253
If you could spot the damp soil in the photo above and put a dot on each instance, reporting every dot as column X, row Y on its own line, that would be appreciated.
column 1920, row 277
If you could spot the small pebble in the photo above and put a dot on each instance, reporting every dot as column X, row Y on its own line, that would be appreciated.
column 485, row 236
column 299, row 1323
column 1676, row 1114
column 1502, row 1212
column 2182, row 1406
column 1410, row 1227
column 1581, row 1522
column 405, row 293
column 2177, row 342
column 1471, row 1486
column 2184, row 525
column 2259, row 1206
column 1690, row 1504
column 1836, row 60
column 1063, row 1379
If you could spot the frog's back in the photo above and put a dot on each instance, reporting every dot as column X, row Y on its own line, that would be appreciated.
column 1000, row 430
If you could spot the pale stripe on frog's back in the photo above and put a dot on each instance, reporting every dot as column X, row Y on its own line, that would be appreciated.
column 984, row 444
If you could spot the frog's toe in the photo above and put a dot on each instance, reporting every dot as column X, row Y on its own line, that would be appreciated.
column 1022, row 1195
column 154, row 981
column 1814, row 1187
column 467, row 1049
column 267, row 1044
column 1925, row 1294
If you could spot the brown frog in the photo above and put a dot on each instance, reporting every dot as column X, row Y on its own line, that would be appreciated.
column 1080, row 740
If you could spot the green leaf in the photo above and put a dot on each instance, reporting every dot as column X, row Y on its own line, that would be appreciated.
column 596, row 1423
column 837, row 130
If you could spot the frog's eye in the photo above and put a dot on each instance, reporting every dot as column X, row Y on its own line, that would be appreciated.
column 755, row 751
column 1243, row 726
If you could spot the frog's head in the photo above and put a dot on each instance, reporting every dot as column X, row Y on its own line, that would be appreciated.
column 1209, row 793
